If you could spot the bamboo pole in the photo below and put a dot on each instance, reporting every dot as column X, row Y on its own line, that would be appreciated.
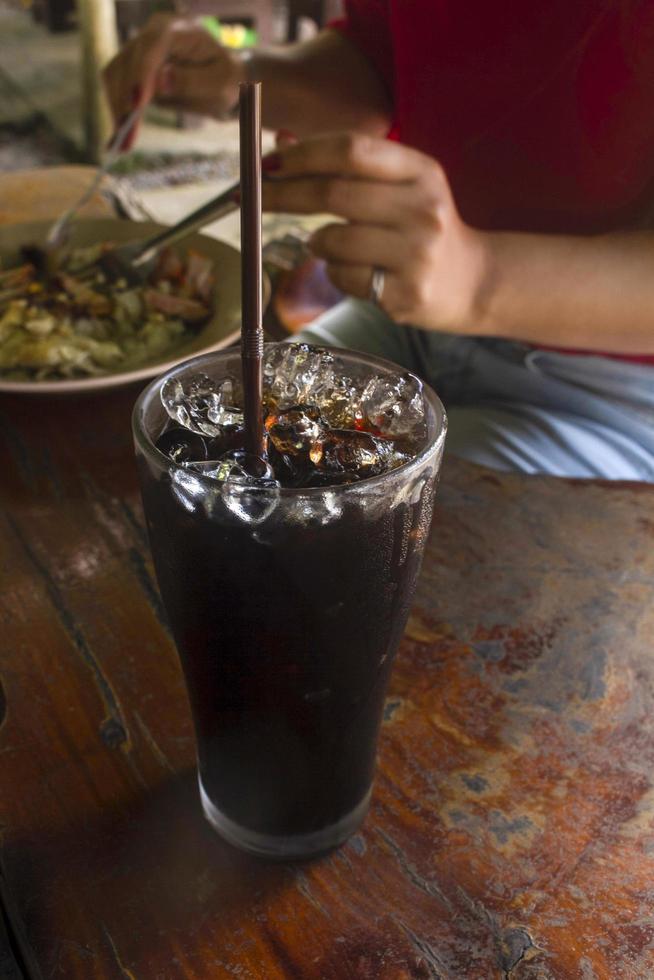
column 99, row 38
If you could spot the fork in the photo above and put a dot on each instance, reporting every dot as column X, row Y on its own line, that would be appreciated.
column 56, row 235
column 134, row 261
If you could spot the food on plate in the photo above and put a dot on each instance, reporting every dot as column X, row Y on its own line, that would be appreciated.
column 62, row 323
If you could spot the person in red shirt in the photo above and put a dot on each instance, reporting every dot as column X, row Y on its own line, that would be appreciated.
column 501, row 231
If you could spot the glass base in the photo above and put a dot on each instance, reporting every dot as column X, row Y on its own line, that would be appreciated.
column 293, row 847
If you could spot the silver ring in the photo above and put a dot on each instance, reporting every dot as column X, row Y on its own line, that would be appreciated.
column 377, row 285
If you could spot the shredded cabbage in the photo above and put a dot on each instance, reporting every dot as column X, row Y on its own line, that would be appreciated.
column 69, row 328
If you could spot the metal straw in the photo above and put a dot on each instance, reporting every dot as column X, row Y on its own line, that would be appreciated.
column 251, row 269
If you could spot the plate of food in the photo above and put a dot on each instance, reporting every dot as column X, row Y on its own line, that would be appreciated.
column 63, row 331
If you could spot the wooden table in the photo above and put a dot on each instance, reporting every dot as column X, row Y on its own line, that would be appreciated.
column 45, row 192
column 511, row 833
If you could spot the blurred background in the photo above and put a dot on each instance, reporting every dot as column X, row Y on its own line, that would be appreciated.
column 51, row 53
column 54, row 123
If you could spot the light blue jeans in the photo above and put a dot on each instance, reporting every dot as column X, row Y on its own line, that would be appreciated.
column 512, row 407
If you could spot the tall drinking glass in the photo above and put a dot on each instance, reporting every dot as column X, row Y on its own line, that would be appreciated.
column 287, row 607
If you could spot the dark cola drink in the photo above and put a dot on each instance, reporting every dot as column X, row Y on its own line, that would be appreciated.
column 288, row 590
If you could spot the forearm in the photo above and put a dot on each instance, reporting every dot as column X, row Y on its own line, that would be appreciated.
column 322, row 85
column 589, row 293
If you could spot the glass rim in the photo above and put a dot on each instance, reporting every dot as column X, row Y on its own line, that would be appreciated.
column 152, row 390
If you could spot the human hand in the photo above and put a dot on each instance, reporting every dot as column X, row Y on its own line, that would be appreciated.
column 175, row 62
column 400, row 216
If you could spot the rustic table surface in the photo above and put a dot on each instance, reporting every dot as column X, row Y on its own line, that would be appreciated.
column 511, row 833
column 45, row 192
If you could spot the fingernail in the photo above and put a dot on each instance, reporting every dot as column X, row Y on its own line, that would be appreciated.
column 271, row 163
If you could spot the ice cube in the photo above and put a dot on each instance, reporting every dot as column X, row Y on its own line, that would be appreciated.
column 293, row 372
column 393, row 406
column 230, row 464
column 295, row 430
column 190, row 491
column 338, row 402
column 202, row 405
column 315, row 509
column 352, row 454
column 250, row 498
column 230, row 439
column 182, row 446
column 289, row 470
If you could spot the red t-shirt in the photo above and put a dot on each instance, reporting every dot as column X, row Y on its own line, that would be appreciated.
column 542, row 114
